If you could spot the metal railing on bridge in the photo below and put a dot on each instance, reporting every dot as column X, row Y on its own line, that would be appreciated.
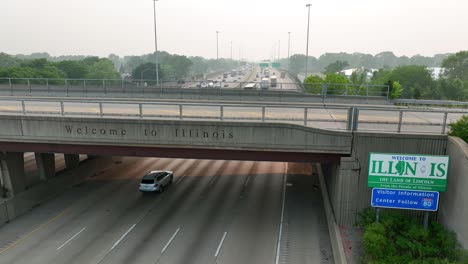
column 239, row 90
column 331, row 117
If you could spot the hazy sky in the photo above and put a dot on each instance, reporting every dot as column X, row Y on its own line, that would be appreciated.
column 188, row 27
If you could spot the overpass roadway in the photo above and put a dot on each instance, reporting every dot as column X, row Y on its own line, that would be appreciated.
column 332, row 117
column 215, row 212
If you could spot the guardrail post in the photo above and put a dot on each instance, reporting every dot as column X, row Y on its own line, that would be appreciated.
column 29, row 86
column 444, row 123
column 324, row 91
column 221, row 112
column 23, row 106
column 62, row 111
column 101, row 113
column 85, row 88
column 181, row 113
column 355, row 119
column 400, row 121
column 263, row 113
column 47, row 84
column 305, row 116
column 11, row 87
column 104, row 86
column 349, row 126
column 66, row 86
column 140, row 106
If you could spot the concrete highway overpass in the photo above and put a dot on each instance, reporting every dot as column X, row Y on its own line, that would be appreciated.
column 342, row 155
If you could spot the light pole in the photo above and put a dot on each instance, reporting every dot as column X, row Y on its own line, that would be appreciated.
column 155, row 43
column 217, row 32
column 279, row 50
column 307, row 46
column 289, row 43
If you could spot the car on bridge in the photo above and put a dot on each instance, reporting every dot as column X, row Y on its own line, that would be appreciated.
column 156, row 181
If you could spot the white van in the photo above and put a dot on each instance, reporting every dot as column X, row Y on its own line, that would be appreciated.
column 265, row 83
column 156, row 181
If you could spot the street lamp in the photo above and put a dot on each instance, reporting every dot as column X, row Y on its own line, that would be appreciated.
column 307, row 46
column 217, row 32
column 155, row 43
column 289, row 42
column 279, row 50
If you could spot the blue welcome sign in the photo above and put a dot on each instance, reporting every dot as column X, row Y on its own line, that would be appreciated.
column 405, row 199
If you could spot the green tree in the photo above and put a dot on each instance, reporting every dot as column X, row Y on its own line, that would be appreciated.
column 416, row 81
column 147, row 71
column 336, row 83
column 297, row 63
column 73, row 69
column 396, row 90
column 102, row 69
column 460, row 128
column 8, row 61
column 336, row 66
column 453, row 89
column 313, row 84
column 456, row 66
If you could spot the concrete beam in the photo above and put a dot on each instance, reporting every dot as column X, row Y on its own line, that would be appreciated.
column 71, row 160
column 46, row 165
column 12, row 172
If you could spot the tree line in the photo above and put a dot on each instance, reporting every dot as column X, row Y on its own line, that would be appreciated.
column 171, row 66
column 385, row 60
column 404, row 81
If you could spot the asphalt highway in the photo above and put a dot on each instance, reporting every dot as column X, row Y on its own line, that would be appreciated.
column 214, row 212
column 383, row 119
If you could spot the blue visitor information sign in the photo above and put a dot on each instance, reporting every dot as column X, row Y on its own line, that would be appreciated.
column 405, row 199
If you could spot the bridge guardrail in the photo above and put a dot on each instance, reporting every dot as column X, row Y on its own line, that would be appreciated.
column 331, row 117
column 122, row 88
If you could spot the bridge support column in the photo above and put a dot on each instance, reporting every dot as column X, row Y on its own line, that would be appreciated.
column 342, row 184
column 46, row 165
column 12, row 178
column 71, row 160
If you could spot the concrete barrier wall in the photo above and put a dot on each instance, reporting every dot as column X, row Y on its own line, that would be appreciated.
column 333, row 229
column 17, row 205
column 347, row 182
column 453, row 210
column 169, row 133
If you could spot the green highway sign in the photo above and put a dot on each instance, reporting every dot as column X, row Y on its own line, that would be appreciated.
column 264, row 64
column 275, row 64
column 409, row 172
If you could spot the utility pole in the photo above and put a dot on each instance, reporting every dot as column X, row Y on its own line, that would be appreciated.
column 217, row 32
column 289, row 42
column 155, row 43
column 307, row 47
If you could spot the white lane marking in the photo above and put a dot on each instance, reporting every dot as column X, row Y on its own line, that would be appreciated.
column 123, row 236
column 247, row 181
column 220, row 244
column 71, row 238
column 180, row 179
column 170, row 240
column 211, row 181
column 282, row 215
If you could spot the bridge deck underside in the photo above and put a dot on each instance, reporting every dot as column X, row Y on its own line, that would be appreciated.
column 165, row 152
